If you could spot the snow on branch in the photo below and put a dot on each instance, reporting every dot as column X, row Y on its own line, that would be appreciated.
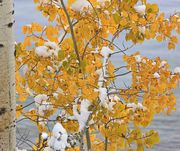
column 47, row 50
column 83, row 116
column 58, row 140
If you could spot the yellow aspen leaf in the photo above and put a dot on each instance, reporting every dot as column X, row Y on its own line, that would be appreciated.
column 36, row 27
column 171, row 45
column 41, row 128
column 152, row 138
column 134, row 17
column 27, row 29
column 174, row 39
column 152, row 8
column 52, row 14
column 123, row 22
column 159, row 38
column 18, row 111
column 116, row 17
column 23, row 97
column 124, row 13
column 36, row 1
column 27, row 42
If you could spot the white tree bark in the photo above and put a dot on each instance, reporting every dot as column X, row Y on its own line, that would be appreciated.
column 7, row 77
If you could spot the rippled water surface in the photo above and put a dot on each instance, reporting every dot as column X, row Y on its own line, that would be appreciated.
column 167, row 126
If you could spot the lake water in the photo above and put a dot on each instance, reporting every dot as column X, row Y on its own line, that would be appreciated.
column 167, row 126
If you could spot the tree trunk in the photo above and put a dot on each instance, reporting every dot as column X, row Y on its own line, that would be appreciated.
column 7, row 77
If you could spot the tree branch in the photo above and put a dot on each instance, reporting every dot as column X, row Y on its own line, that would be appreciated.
column 72, row 31
column 88, row 139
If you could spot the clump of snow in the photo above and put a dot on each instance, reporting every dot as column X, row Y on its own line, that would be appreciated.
column 50, row 69
column 42, row 51
column 58, row 140
column 49, row 49
column 44, row 107
column 177, row 70
column 138, row 58
column 106, row 12
column 156, row 75
column 163, row 63
column 51, row 45
column 79, row 5
column 44, row 135
column 57, row 92
column 142, row 29
column 107, row 101
column 115, row 98
column 40, row 98
column 105, row 52
column 103, row 96
column 135, row 106
column 154, row 63
column 42, row 104
column 83, row 116
column 111, row 105
column 101, row 77
column 144, row 61
column 103, row 93
column 141, row 9
column 96, row 51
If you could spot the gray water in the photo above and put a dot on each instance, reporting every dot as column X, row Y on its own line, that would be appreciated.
column 167, row 126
